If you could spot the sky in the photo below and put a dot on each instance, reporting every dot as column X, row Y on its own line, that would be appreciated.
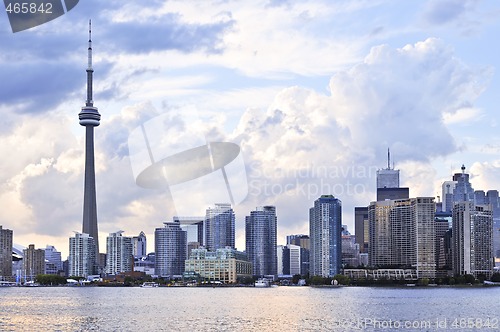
column 311, row 94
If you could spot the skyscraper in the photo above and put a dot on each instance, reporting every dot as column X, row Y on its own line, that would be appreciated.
column 361, row 228
column 472, row 239
column 463, row 191
column 139, row 245
column 493, row 199
column 219, row 227
column 388, row 183
column 304, row 242
column 261, row 237
column 5, row 252
column 33, row 261
column 388, row 177
column 119, row 253
column 82, row 260
column 402, row 233
column 447, row 195
column 289, row 260
column 325, row 227
column 170, row 249
column 53, row 262
column 90, row 117
column 194, row 228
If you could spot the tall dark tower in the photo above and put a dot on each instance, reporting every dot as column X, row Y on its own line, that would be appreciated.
column 89, row 117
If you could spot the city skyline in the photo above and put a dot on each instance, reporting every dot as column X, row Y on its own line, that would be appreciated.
column 313, row 114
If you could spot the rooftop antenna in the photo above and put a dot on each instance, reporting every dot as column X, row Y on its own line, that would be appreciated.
column 90, row 70
column 388, row 159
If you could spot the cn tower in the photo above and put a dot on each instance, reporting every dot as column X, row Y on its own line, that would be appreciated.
column 89, row 117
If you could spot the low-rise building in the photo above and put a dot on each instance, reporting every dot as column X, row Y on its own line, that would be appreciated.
column 226, row 265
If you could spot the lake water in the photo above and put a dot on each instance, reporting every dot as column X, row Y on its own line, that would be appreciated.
column 249, row 309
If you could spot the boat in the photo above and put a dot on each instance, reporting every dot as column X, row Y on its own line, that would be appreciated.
column 149, row 284
column 262, row 282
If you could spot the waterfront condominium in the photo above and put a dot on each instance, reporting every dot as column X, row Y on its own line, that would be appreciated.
column 119, row 253
column 219, row 227
column 5, row 253
column 325, row 227
column 82, row 261
column 472, row 239
column 402, row 234
column 261, row 237
column 170, row 249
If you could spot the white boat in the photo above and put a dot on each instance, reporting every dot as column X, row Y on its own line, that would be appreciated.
column 262, row 282
column 149, row 284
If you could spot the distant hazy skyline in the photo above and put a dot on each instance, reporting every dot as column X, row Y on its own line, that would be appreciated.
column 314, row 92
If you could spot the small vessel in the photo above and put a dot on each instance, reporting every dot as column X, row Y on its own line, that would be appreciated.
column 262, row 282
column 149, row 284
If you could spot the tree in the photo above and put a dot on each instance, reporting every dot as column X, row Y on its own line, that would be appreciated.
column 495, row 277
column 342, row 279
column 423, row 281
column 50, row 279
column 317, row 280
column 469, row 279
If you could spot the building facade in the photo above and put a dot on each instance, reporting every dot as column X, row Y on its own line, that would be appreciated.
column 225, row 265
column 5, row 253
column 219, row 227
column 119, row 253
column 53, row 261
column 361, row 228
column 472, row 239
column 289, row 260
column 33, row 261
column 170, row 250
column 325, row 227
column 443, row 223
column 261, row 240
column 139, row 245
column 82, row 260
column 402, row 234
column 304, row 242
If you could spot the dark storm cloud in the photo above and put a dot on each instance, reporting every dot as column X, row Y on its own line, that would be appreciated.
column 37, row 66
column 39, row 86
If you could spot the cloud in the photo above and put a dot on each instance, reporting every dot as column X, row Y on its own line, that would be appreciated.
column 441, row 12
column 462, row 14
column 463, row 115
column 485, row 175
column 307, row 143
column 168, row 34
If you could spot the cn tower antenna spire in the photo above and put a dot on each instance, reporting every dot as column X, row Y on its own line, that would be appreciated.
column 90, row 70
